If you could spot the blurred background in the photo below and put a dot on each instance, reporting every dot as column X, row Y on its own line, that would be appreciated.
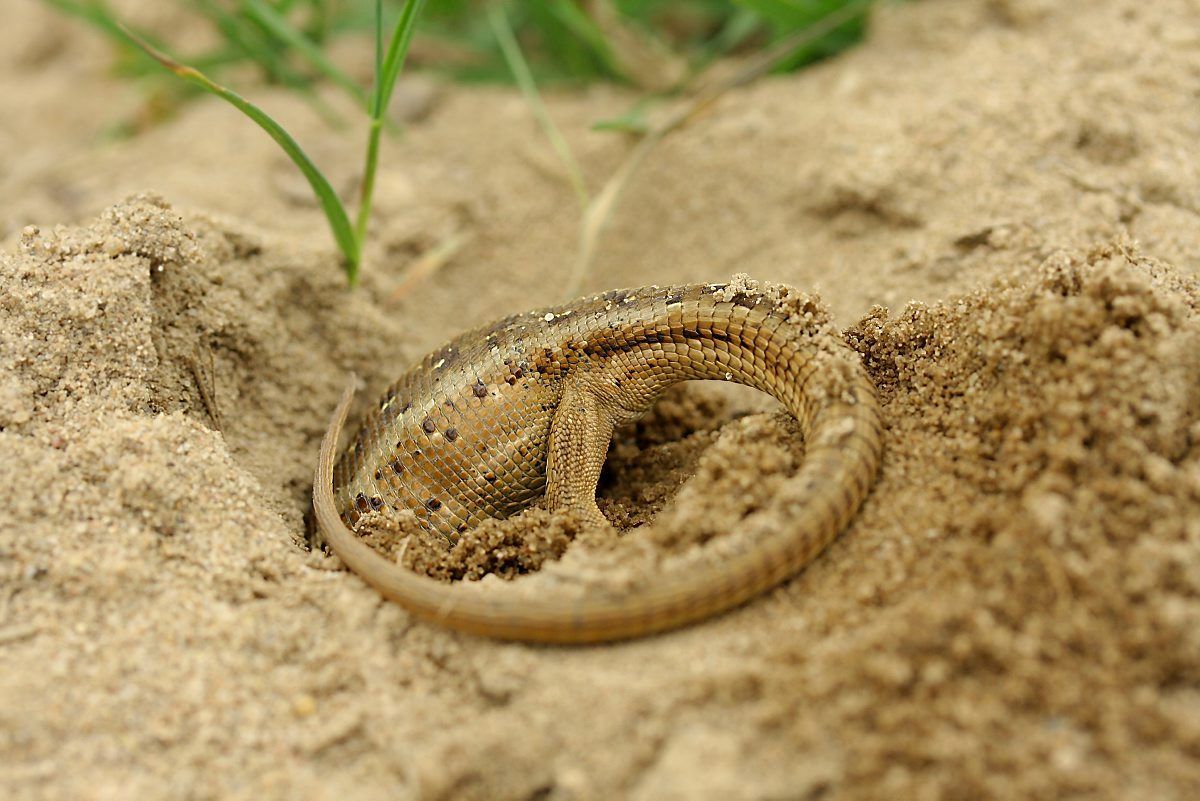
column 658, row 46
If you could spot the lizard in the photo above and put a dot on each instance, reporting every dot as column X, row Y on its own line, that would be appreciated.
column 525, row 408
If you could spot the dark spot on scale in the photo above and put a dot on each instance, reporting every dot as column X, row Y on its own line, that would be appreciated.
column 676, row 298
column 433, row 504
column 416, row 454
column 407, row 406
column 489, row 477
column 461, row 528
column 360, row 502
column 450, row 405
column 745, row 301
column 377, row 504
column 451, row 434
column 378, row 475
column 428, row 426
column 480, row 390
column 397, row 468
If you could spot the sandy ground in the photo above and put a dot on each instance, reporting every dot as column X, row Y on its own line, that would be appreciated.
column 1014, row 614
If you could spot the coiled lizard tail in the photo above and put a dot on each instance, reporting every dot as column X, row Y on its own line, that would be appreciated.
column 526, row 407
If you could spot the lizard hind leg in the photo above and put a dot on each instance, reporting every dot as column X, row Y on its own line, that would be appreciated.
column 579, row 436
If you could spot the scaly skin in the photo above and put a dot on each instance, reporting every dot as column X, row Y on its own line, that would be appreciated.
column 526, row 407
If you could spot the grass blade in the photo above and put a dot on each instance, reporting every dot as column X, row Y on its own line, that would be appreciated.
column 278, row 26
column 634, row 121
column 335, row 212
column 524, row 79
column 377, row 87
column 427, row 265
column 250, row 41
column 397, row 50
column 580, row 24
column 598, row 212
column 387, row 70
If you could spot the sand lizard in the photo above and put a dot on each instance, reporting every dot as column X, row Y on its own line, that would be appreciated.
column 525, row 408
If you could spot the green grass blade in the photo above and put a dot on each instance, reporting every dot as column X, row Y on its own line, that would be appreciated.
column 524, row 79
column 283, row 30
column 397, row 50
column 250, row 41
column 587, row 32
column 788, row 17
column 635, row 120
column 377, row 87
column 736, row 29
column 387, row 70
column 335, row 212
column 598, row 212
column 367, row 190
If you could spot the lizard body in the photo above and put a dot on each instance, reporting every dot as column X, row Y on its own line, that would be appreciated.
column 526, row 407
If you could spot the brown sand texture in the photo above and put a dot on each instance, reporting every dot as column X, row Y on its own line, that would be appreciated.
column 999, row 200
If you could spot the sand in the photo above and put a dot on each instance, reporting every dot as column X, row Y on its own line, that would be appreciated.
column 999, row 201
